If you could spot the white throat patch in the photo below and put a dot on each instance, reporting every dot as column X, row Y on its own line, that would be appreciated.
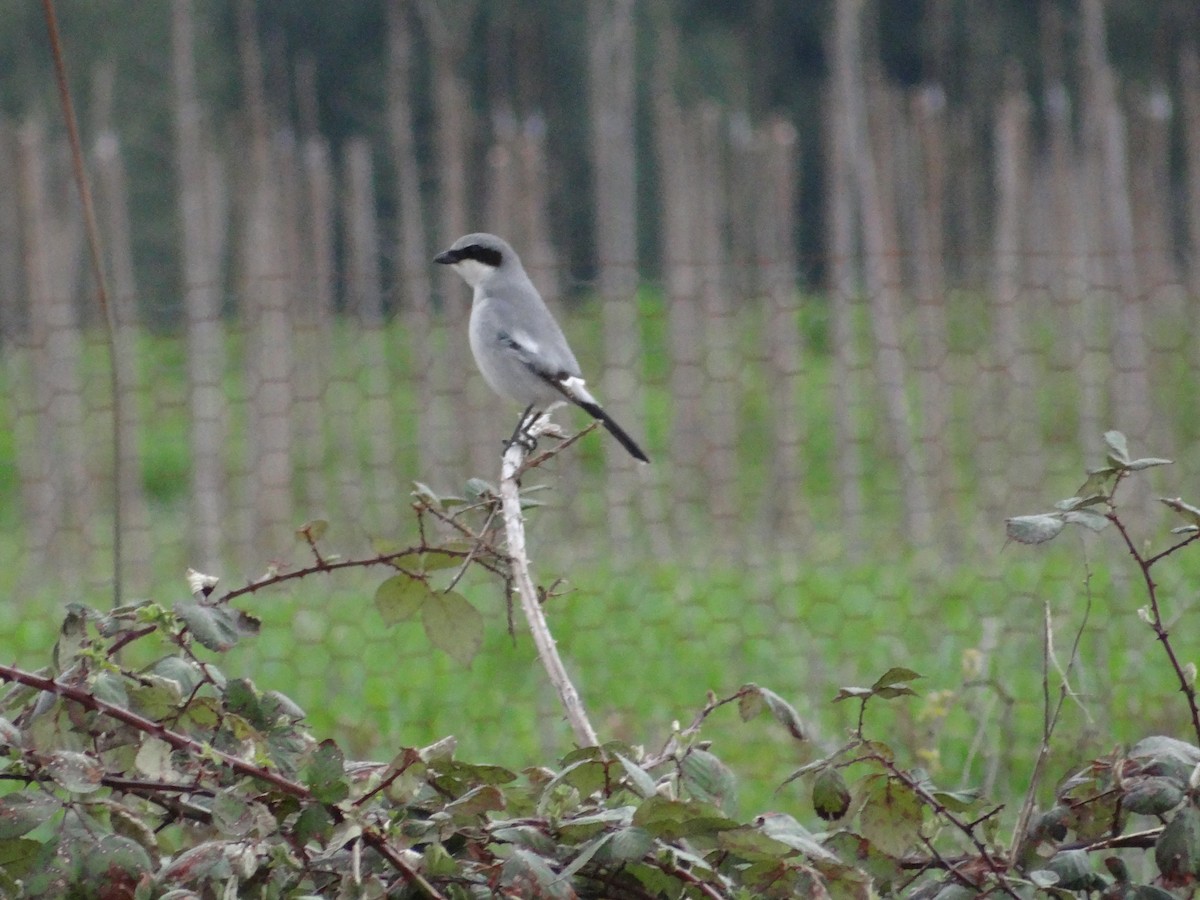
column 473, row 271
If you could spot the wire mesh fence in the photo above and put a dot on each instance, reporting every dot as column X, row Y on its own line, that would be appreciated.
column 823, row 448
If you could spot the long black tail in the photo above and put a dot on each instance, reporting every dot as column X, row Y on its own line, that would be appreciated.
column 595, row 410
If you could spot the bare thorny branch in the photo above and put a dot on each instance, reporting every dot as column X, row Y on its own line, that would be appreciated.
column 1145, row 564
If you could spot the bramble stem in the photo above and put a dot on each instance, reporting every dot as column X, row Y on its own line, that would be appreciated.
column 547, row 650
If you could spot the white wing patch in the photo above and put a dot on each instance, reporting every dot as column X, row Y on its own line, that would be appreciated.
column 528, row 344
column 577, row 389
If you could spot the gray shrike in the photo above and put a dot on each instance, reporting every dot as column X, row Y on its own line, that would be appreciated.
column 518, row 346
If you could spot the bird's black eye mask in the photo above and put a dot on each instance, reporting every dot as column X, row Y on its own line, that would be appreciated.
column 489, row 256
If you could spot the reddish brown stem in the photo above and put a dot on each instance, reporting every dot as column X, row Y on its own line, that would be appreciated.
column 1156, row 622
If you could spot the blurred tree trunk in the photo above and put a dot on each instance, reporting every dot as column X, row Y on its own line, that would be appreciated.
column 112, row 201
column 1006, row 432
column 454, row 384
column 847, row 374
column 314, row 323
column 202, row 201
column 1151, row 194
column 883, row 279
column 12, row 315
column 676, row 178
column 1104, row 129
column 266, row 288
column 720, row 330
column 51, row 241
column 310, row 214
column 612, row 105
column 934, row 372
column 1189, row 84
column 1160, row 283
column 782, row 338
column 363, row 270
column 430, row 412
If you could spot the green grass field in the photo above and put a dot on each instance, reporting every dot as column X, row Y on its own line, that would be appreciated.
column 647, row 644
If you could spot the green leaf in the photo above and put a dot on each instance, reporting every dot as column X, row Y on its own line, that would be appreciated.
column 216, row 627
column 116, row 859
column 76, row 772
column 640, row 780
column 527, row 875
column 314, row 530
column 453, row 625
column 580, row 829
column 432, row 561
column 313, row 823
column 750, row 702
column 629, row 844
column 438, row 862
column 182, row 671
column 830, row 795
column 18, row 857
column 583, row 775
column 1073, row 871
column 110, row 687
column 526, row 836
column 1189, row 512
column 400, row 598
column 1148, row 462
column 72, row 637
column 671, row 819
column 276, row 706
column 425, row 492
column 849, row 693
column 786, row 830
column 1162, row 755
column 20, row 813
column 242, row 699
column 895, row 675
column 477, row 487
column 154, row 760
column 10, row 735
column 1080, row 502
column 1177, row 850
column 1098, row 483
column 208, row 860
column 232, row 814
column 855, row 850
column 752, row 844
column 956, row 801
column 326, row 774
column 1034, row 529
column 1087, row 518
column 890, row 693
column 891, row 814
column 784, row 713
column 707, row 778
column 590, row 849
column 1118, row 448
column 474, row 803
column 1152, row 796
column 155, row 699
